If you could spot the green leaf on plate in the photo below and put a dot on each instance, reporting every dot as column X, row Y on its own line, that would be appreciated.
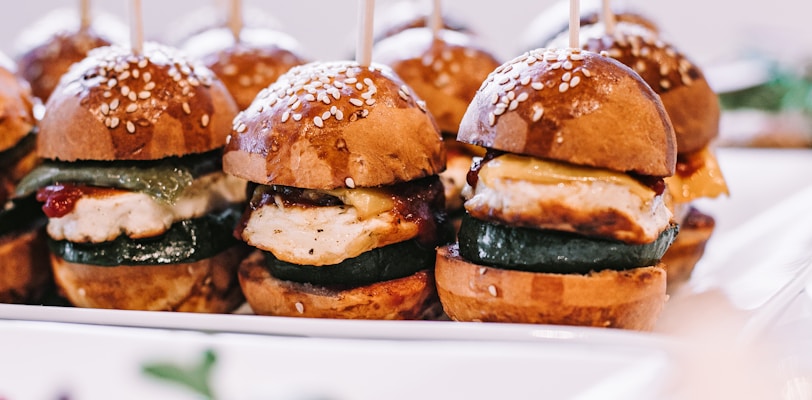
column 196, row 378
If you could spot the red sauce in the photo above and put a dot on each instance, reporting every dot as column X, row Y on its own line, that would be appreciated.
column 655, row 183
column 687, row 164
column 473, row 174
column 59, row 200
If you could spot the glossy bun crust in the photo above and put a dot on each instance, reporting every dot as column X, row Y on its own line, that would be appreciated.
column 330, row 125
column 412, row 297
column 445, row 71
column 209, row 285
column 691, row 104
column 16, row 118
column 573, row 106
column 114, row 105
column 631, row 299
column 246, row 67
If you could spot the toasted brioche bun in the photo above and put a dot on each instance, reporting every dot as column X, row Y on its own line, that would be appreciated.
column 572, row 106
column 16, row 117
column 114, row 105
column 691, row 104
column 250, row 65
column 326, row 138
column 209, row 285
column 412, row 297
column 46, row 49
column 688, row 248
column 25, row 273
column 554, row 20
column 445, row 71
column 629, row 299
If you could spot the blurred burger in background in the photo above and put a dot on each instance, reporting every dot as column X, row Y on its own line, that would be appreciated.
column 214, row 16
column 48, row 47
column 444, row 70
column 693, row 108
column 140, row 212
column 25, row 273
column 246, row 64
column 347, row 207
column 402, row 15
column 554, row 21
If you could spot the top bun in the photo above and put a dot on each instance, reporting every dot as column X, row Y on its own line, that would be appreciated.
column 573, row 106
column 247, row 66
column 554, row 21
column 336, row 124
column 445, row 71
column 690, row 102
column 16, row 115
column 49, row 47
column 115, row 105
column 403, row 15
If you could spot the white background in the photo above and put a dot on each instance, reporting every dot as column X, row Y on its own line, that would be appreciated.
column 709, row 31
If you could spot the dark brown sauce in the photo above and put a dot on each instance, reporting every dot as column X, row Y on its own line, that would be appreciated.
column 473, row 174
column 687, row 164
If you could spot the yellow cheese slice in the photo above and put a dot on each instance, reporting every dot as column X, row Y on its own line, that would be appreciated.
column 368, row 202
column 511, row 166
column 705, row 181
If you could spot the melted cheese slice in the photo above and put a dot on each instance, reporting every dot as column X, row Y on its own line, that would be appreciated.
column 706, row 181
column 534, row 170
column 368, row 202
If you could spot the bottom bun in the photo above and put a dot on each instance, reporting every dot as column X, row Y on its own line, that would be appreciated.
column 412, row 297
column 25, row 273
column 688, row 248
column 208, row 285
column 630, row 299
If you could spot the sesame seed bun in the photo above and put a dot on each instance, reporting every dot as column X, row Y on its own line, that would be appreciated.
column 630, row 299
column 690, row 102
column 445, row 71
column 335, row 124
column 25, row 273
column 250, row 65
column 573, row 106
column 46, row 50
column 554, row 21
column 16, row 118
column 209, row 285
column 114, row 105
column 411, row 297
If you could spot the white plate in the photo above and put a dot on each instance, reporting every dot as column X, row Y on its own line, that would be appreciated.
column 748, row 288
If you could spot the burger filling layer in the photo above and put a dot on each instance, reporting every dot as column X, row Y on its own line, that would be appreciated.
column 698, row 175
column 528, row 192
column 326, row 227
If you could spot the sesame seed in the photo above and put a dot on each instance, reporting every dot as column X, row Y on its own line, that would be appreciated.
column 204, row 120
column 421, row 105
column 495, row 98
column 525, row 81
column 586, row 72
column 107, row 94
column 357, row 102
column 132, row 107
column 286, row 115
column 556, row 65
column 299, row 307
column 370, row 102
column 604, row 53
column 349, row 182
column 492, row 290
column 296, row 104
column 149, row 86
column 522, row 97
column 112, row 82
column 575, row 81
column 147, row 77
column 297, row 117
column 576, row 57
column 664, row 69
column 310, row 97
column 339, row 115
column 665, row 84
column 114, row 104
column 563, row 87
column 503, row 80
column 143, row 63
column 403, row 95
column 136, row 73
column 133, row 96
column 114, row 122
column 538, row 112
column 125, row 90
column 482, row 270
column 144, row 94
column 359, row 86
column 537, row 85
column 365, row 112
column 492, row 119
column 318, row 122
column 241, row 128
column 499, row 111
column 350, row 81
column 105, row 108
column 566, row 77
column 567, row 65
column 326, row 100
column 513, row 105
column 130, row 127
column 124, row 75
column 326, row 115
column 338, row 84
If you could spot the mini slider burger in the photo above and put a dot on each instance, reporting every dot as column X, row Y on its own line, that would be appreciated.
column 347, row 207
column 446, row 72
column 47, row 49
column 693, row 109
column 565, row 219
column 403, row 15
column 140, row 212
column 249, row 65
column 24, row 269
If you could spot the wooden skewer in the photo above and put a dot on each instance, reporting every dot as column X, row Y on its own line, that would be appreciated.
column 136, row 28
column 608, row 18
column 235, row 22
column 575, row 24
column 363, row 48
column 436, row 19
column 84, row 14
